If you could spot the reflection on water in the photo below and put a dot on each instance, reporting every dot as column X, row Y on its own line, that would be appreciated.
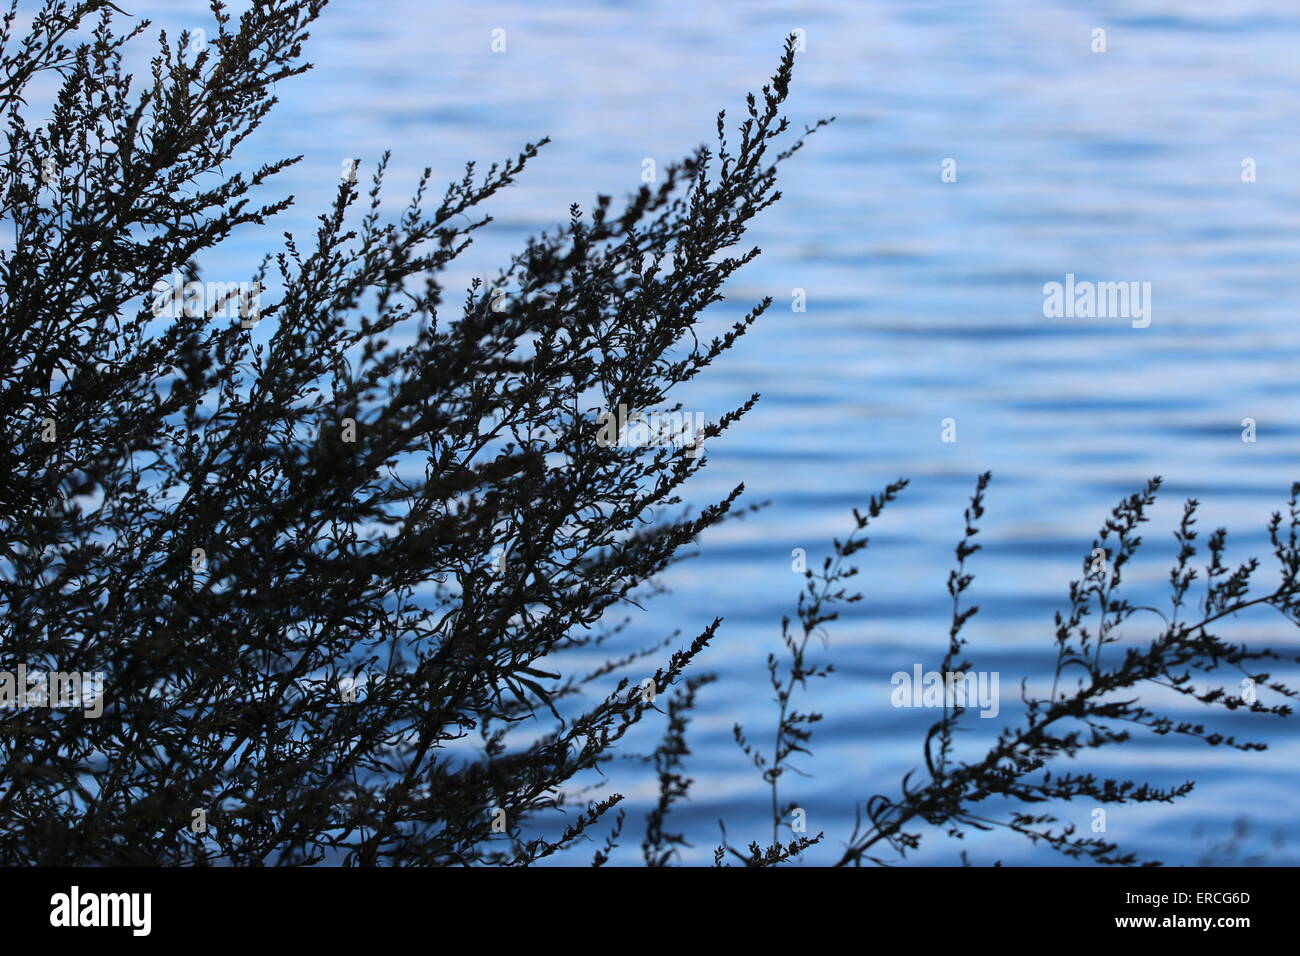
column 924, row 303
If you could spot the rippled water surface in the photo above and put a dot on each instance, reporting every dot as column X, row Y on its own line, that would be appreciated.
column 924, row 302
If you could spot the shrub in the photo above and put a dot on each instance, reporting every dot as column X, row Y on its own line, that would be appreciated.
column 328, row 550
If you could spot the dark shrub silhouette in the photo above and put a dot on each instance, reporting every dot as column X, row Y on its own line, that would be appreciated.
column 1093, row 701
column 325, row 572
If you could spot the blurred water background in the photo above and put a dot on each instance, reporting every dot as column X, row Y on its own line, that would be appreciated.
column 924, row 302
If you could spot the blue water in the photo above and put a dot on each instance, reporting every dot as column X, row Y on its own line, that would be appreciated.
column 924, row 302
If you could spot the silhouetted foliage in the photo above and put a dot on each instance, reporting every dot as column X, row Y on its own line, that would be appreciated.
column 659, row 846
column 313, row 561
column 1101, row 709
column 329, row 549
